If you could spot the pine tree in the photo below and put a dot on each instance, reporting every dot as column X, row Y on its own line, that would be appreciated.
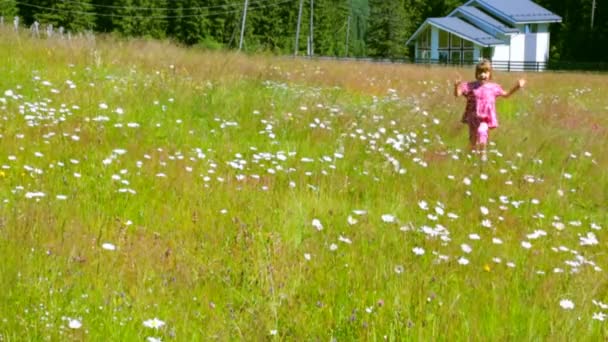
column 268, row 27
column 73, row 16
column 189, row 21
column 331, row 26
column 104, row 9
column 141, row 17
column 386, row 35
column 8, row 10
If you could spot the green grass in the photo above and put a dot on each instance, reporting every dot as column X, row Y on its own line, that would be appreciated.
column 227, row 161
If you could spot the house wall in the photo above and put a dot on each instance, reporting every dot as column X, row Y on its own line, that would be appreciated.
column 517, row 52
column 434, row 43
column 501, row 53
column 531, row 47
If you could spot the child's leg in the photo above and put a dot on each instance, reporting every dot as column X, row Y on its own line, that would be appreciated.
column 472, row 137
column 482, row 139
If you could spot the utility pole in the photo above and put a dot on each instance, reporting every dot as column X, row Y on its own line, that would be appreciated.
column 312, row 46
column 243, row 24
column 592, row 13
column 295, row 53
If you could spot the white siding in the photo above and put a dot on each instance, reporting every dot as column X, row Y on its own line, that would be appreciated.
column 542, row 47
column 434, row 43
column 501, row 53
column 518, row 47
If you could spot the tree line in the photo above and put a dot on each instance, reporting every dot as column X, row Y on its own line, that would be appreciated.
column 344, row 28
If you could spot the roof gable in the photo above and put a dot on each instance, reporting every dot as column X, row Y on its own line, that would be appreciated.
column 460, row 28
column 480, row 18
column 518, row 11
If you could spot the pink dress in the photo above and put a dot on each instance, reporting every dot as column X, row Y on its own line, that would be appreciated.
column 481, row 102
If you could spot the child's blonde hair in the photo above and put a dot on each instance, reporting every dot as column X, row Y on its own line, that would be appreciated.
column 485, row 66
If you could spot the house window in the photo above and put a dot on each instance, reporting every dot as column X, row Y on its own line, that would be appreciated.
column 454, row 49
column 531, row 28
column 486, row 53
column 467, row 56
column 456, row 42
column 425, row 39
column 444, row 39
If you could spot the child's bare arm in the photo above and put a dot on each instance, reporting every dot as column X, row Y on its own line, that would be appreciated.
column 457, row 85
column 457, row 88
column 520, row 84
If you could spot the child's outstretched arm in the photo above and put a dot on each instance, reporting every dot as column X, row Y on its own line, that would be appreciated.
column 520, row 84
column 458, row 85
column 457, row 88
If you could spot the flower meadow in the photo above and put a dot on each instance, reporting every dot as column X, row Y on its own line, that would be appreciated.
column 150, row 192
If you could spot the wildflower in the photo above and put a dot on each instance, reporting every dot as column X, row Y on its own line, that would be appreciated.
column 418, row 250
column 388, row 218
column 484, row 211
column 589, row 240
column 345, row 240
column 154, row 323
column 566, row 304
column 351, row 220
column 74, row 323
column 466, row 248
column 463, row 261
column 526, row 244
column 496, row 241
column 399, row 269
column 108, row 246
column 333, row 247
column 599, row 316
column 600, row 304
column 273, row 332
column 423, row 205
column 307, row 256
column 317, row 224
column 474, row 237
column 153, row 339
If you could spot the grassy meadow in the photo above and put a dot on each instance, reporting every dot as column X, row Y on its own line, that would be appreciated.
column 150, row 192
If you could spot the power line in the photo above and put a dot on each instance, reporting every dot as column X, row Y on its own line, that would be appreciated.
column 258, row 3
column 154, row 8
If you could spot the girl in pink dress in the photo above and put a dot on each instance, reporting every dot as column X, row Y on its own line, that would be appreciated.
column 480, row 112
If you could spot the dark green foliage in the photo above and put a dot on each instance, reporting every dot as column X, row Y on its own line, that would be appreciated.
column 8, row 10
column 146, row 18
column 387, row 33
column 377, row 28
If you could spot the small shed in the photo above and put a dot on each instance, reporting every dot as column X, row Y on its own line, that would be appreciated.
column 514, row 34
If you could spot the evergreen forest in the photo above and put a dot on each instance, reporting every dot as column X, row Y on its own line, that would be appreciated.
column 341, row 28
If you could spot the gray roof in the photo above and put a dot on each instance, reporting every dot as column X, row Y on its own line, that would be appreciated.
column 465, row 30
column 474, row 14
column 519, row 11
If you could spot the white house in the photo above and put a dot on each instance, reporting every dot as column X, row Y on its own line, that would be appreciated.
column 514, row 34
